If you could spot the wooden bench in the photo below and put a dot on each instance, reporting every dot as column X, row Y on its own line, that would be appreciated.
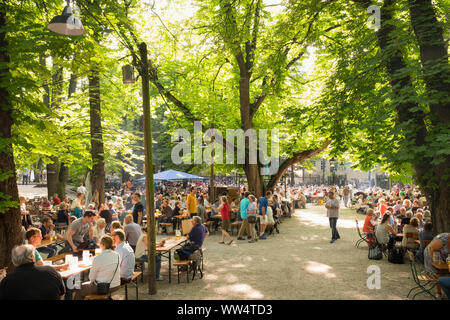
column 133, row 281
column 141, row 266
column 179, row 265
column 236, row 224
column 167, row 224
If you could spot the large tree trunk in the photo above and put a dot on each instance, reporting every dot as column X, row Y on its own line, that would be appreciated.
column 10, row 224
column 97, row 151
column 63, row 175
column 52, row 176
column 53, row 168
column 431, row 178
column 434, row 60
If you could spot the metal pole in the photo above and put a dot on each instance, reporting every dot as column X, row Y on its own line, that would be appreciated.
column 149, row 190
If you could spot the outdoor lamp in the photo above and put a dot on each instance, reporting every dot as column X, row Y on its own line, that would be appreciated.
column 128, row 74
column 67, row 23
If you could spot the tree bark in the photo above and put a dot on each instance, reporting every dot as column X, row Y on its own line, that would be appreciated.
column 10, row 224
column 97, row 151
column 431, row 178
column 57, row 85
column 434, row 60
column 63, row 174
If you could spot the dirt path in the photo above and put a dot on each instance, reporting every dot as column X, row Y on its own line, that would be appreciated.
column 298, row 263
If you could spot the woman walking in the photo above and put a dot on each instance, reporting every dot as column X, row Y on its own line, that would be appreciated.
column 225, row 212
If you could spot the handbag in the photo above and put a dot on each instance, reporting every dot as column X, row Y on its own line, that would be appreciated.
column 103, row 287
column 375, row 253
column 251, row 219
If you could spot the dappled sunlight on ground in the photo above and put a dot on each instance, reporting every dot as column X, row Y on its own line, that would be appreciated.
column 320, row 219
column 245, row 291
column 320, row 268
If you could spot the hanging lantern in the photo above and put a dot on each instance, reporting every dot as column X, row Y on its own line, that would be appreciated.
column 128, row 74
column 67, row 23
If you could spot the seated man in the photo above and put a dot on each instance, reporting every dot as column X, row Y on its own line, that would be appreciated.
column 167, row 213
column 34, row 238
column 29, row 281
column 126, row 254
column 132, row 232
column 46, row 232
column 198, row 232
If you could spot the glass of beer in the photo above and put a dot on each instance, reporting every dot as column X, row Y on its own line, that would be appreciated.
column 97, row 251
column 177, row 234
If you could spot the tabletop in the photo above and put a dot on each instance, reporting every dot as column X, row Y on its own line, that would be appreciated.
column 45, row 243
column 76, row 270
column 441, row 265
column 171, row 243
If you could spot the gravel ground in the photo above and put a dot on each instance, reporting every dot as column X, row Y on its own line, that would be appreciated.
column 298, row 263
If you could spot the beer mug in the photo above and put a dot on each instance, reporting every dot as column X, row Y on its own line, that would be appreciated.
column 177, row 234
column 98, row 251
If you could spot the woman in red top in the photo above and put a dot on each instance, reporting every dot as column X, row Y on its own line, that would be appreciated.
column 225, row 212
column 369, row 226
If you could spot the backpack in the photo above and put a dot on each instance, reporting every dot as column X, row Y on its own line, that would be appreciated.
column 375, row 253
column 395, row 255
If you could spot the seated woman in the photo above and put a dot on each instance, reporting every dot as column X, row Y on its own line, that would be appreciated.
column 385, row 233
column 99, row 230
column 63, row 214
column 105, row 269
column 425, row 234
column 439, row 245
column 25, row 215
column 369, row 226
column 409, row 243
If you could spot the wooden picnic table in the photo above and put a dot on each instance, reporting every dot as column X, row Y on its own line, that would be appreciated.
column 71, row 272
column 166, row 250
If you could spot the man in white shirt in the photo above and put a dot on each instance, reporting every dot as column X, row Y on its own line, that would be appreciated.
column 127, row 257
column 332, row 206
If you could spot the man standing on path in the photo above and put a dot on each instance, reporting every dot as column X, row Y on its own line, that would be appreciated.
column 332, row 206
column 263, row 203
column 346, row 193
column 243, row 209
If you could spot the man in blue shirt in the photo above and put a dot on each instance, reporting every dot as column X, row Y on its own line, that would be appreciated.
column 263, row 204
column 243, row 209
column 198, row 231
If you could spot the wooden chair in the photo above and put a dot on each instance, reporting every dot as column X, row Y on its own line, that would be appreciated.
column 362, row 236
column 414, row 236
column 425, row 282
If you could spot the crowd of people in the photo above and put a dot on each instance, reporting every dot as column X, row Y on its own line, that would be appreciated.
column 117, row 225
